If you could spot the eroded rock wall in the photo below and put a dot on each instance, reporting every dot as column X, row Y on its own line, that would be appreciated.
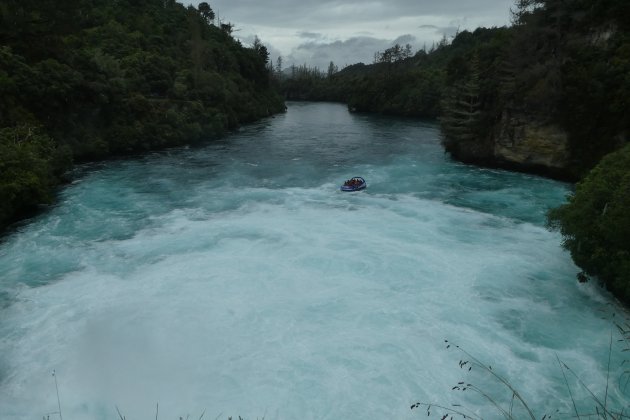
column 520, row 142
column 523, row 140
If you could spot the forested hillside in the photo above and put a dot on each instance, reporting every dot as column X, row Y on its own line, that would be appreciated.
column 87, row 79
column 564, row 66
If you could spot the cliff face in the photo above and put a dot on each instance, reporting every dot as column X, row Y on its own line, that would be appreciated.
column 519, row 142
column 531, row 145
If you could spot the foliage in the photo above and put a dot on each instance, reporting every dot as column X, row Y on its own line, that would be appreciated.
column 31, row 164
column 393, row 54
column 461, row 109
column 467, row 365
column 515, row 406
column 595, row 223
column 573, row 59
column 100, row 78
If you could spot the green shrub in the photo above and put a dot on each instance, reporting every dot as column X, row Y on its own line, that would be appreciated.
column 29, row 170
column 595, row 223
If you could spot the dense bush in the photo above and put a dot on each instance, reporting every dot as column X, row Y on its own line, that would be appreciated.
column 99, row 78
column 595, row 223
column 31, row 165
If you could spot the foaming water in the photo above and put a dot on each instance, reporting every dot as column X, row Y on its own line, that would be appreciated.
column 236, row 279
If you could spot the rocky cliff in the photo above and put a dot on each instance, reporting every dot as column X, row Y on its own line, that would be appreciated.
column 522, row 143
column 531, row 145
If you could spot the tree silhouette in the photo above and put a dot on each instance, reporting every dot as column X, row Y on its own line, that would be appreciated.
column 206, row 12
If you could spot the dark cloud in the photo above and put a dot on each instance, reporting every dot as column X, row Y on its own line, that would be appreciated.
column 310, row 35
column 349, row 31
column 286, row 12
column 343, row 53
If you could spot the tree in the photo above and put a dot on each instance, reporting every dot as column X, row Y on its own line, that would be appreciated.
column 227, row 28
column 206, row 12
column 332, row 69
column 393, row 54
column 595, row 223
column 461, row 113
column 407, row 53
column 279, row 66
column 524, row 9
column 260, row 49
column 31, row 164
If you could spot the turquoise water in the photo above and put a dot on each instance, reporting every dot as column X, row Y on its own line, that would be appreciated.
column 237, row 279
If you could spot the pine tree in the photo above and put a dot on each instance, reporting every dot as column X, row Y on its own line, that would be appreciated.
column 461, row 113
column 279, row 66
column 206, row 12
column 332, row 69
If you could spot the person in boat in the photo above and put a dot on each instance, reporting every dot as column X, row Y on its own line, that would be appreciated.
column 353, row 182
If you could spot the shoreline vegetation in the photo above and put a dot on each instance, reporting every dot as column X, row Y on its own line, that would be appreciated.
column 91, row 79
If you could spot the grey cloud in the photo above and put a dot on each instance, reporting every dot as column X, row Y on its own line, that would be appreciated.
column 448, row 31
column 247, row 40
column 358, row 25
column 342, row 53
column 310, row 35
column 284, row 13
column 405, row 39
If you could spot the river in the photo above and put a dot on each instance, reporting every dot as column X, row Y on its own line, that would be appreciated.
column 236, row 279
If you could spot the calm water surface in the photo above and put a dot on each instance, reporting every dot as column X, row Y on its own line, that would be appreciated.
column 237, row 279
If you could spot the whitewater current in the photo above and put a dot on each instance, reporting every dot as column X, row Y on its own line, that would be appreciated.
column 235, row 278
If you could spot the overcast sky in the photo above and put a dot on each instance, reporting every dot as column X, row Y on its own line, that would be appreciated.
column 315, row 32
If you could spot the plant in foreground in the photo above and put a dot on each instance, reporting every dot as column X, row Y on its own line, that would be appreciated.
column 603, row 410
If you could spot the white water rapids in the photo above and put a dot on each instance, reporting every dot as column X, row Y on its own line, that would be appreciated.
column 236, row 279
